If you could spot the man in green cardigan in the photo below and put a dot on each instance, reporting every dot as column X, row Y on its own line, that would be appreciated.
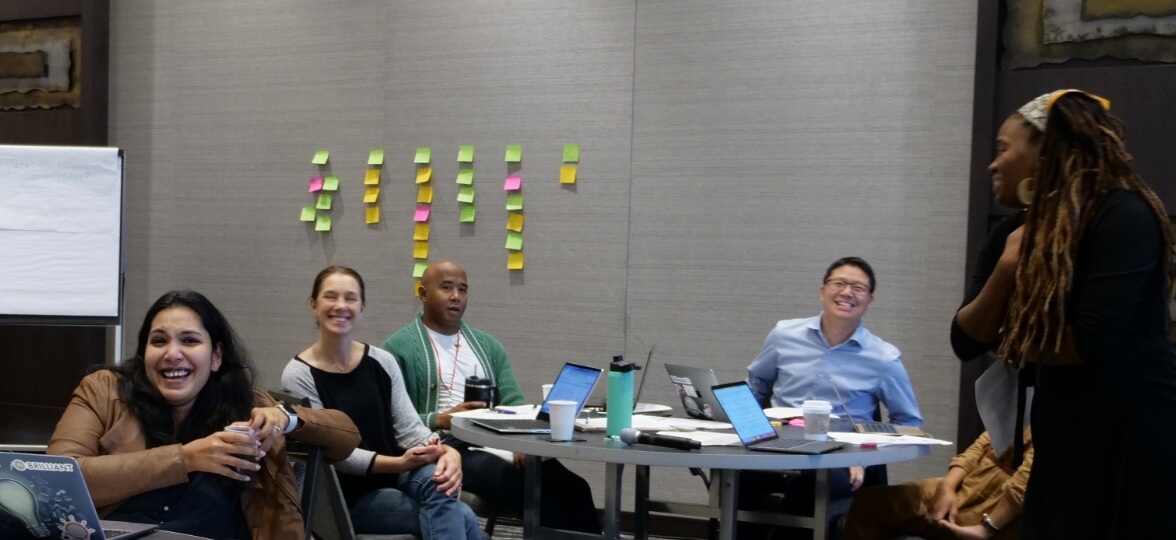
column 437, row 352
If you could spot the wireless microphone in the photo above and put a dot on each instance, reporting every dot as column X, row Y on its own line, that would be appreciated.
column 632, row 436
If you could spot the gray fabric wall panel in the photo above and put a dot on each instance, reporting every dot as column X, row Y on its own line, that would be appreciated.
column 730, row 150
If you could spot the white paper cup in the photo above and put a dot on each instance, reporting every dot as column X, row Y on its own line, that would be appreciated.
column 563, row 419
column 546, row 390
column 816, row 419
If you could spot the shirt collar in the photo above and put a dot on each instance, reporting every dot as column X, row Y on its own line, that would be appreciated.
column 856, row 338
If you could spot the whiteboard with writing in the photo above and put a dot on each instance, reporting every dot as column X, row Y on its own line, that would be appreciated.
column 61, row 232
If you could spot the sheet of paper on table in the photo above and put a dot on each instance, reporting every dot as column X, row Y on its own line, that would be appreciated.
column 884, row 440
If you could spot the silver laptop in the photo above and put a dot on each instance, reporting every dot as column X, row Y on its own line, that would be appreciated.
column 574, row 383
column 694, row 389
column 875, row 428
column 755, row 430
column 45, row 496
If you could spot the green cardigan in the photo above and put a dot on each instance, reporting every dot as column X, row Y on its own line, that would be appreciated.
column 410, row 345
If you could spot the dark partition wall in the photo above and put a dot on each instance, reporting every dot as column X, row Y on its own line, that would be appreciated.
column 41, row 365
column 1140, row 93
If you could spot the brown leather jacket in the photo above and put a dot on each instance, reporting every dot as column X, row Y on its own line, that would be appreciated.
column 100, row 431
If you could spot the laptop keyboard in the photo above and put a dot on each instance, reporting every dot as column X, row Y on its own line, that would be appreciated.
column 783, row 443
column 524, row 423
column 877, row 427
column 114, row 533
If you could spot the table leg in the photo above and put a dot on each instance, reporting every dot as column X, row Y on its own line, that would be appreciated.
column 641, row 504
column 729, row 503
column 532, row 485
column 821, row 505
column 612, row 500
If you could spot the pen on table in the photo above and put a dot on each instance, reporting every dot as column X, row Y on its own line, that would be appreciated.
column 500, row 410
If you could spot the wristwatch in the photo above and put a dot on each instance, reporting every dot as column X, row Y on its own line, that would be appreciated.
column 293, row 417
column 988, row 524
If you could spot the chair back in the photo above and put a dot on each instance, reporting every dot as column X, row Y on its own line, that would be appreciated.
column 307, row 462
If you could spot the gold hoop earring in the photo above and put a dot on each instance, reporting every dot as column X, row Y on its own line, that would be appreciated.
column 1025, row 190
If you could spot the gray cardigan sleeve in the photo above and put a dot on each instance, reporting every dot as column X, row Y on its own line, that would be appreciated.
column 298, row 381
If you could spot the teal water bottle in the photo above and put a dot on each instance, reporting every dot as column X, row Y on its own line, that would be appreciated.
column 620, row 396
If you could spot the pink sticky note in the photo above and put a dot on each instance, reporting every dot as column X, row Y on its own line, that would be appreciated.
column 422, row 213
column 316, row 184
column 512, row 182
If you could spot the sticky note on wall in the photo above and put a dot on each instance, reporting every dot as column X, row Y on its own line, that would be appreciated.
column 515, row 222
column 422, row 213
column 571, row 153
column 465, row 154
column 371, row 194
column 420, row 250
column 465, row 194
column 513, row 182
column 514, row 241
column 331, row 183
column 324, row 201
column 567, row 174
column 372, row 215
column 468, row 213
column 372, row 177
column 418, row 268
column 322, row 223
column 425, row 194
column 465, row 176
column 421, row 231
column 376, row 157
column 514, row 153
column 307, row 213
column 320, row 157
column 514, row 260
column 423, row 155
column 514, row 201
column 424, row 174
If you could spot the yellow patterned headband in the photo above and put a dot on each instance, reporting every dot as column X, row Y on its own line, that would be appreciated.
column 1037, row 110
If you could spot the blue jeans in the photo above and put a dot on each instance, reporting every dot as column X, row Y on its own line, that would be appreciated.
column 415, row 507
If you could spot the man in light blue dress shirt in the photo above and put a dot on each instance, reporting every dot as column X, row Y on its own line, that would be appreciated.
column 804, row 358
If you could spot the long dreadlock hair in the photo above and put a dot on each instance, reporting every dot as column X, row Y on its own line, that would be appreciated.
column 1083, row 158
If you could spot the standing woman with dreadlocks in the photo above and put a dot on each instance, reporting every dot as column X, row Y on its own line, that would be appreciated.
column 1081, row 290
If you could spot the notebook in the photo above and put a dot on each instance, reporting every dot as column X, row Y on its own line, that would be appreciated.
column 875, row 428
column 574, row 383
column 46, row 497
column 753, row 427
column 694, row 389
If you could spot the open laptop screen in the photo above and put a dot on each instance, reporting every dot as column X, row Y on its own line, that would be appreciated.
column 574, row 383
column 744, row 413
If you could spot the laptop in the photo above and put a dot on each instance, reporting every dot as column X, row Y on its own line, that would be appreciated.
column 638, row 407
column 875, row 428
column 574, row 383
column 754, row 428
column 46, row 497
column 694, row 389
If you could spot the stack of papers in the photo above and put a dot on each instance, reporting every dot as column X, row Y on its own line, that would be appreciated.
column 653, row 423
column 884, row 440
column 501, row 412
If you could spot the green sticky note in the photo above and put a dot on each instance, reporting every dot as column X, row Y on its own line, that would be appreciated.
column 331, row 183
column 514, row 241
column 467, row 213
column 324, row 201
column 514, row 201
column 571, row 152
column 465, row 176
column 418, row 268
column 423, row 155
column 465, row 194
column 465, row 154
column 322, row 223
column 514, row 153
column 376, row 157
column 307, row 213
column 320, row 157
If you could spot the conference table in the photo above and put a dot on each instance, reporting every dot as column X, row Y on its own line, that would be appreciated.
column 725, row 462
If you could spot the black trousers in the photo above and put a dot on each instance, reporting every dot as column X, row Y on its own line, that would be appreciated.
column 567, row 498
column 797, row 488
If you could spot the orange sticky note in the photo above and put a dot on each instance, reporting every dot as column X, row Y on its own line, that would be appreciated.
column 421, row 232
column 420, row 250
column 515, row 222
column 514, row 260
column 373, row 214
column 372, row 177
column 567, row 174
column 424, row 174
column 425, row 194
column 370, row 194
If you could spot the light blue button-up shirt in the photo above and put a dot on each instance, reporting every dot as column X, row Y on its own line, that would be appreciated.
column 797, row 363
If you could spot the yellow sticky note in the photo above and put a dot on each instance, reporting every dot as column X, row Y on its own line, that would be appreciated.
column 370, row 194
column 307, row 213
column 322, row 223
column 465, row 194
column 465, row 176
column 418, row 268
column 514, row 241
column 324, row 201
column 468, row 213
column 515, row 222
column 424, row 174
column 423, row 155
column 373, row 215
column 425, row 194
column 514, row 201
column 416, row 287
column 514, row 260
column 465, row 154
column 421, row 232
column 372, row 177
column 567, row 174
column 420, row 250
column 331, row 183
column 320, row 157
column 514, row 153
column 376, row 157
